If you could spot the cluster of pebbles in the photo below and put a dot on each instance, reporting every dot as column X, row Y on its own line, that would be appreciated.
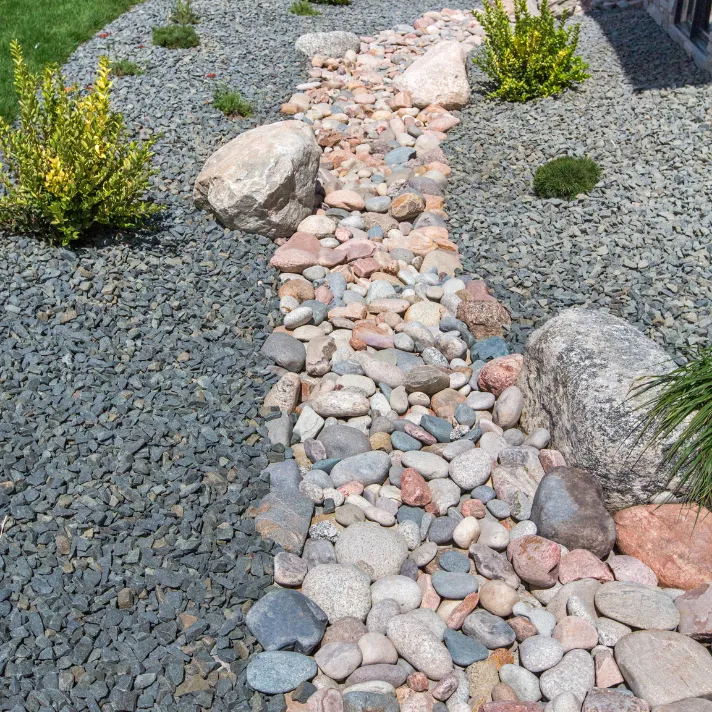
column 432, row 558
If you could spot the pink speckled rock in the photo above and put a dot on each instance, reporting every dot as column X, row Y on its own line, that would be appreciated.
column 500, row 373
column 576, row 633
column 345, row 199
column 536, row 560
column 582, row 564
column 549, row 459
column 628, row 568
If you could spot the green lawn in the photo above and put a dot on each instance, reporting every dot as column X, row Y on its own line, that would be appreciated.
column 49, row 31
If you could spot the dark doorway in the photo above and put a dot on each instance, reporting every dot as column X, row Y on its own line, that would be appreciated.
column 693, row 18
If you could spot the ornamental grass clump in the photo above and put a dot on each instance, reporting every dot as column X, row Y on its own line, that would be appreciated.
column 126, row 68
column 536, row 57
column 566, row 177
column 69, row 165
column 231, row 102
column 678, row 408
column 175, row 36
column 183, row 14
column 303, row 8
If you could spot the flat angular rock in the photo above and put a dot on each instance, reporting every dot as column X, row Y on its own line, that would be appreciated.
column 689, row 705
column 695, row 609
column 426, row 379
column 284, row 517
column 263, row 181
column 579, row 368
column 275, row 672
column 492, row 631
column 369, row 702
column 663, row 667
column 637, row 605
column 287, row 620
column 438, row 77
column 329, row 44
column 671, row 539
column 568, row 508
column 600, row 700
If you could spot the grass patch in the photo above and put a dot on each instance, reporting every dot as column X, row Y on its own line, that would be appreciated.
column 565, row 177
column 183, row 13
column 175, row 36
column 304, row 8
column 126, row 68
column 231, row 102
column 49, row 32
column 680, row 398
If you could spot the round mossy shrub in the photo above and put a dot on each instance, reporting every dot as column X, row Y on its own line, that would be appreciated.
column 565, row 177
column 176, row 36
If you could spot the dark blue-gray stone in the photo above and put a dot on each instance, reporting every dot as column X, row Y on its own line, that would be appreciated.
column 441, row 529
column 342, row 368
column 429, row 220
column 465, row 415
column 499, row 508
column 439, row 428
column 425, row 185
column 375, row 232
column 475, row 434
column 284, row 476
column 284, row 517
column 343, row 441
column 326, row 465
column 454, row 585
column 410, row 569
column 454, row 561
column 318, row 308
column 483, row 493
column 399, row 155
column 463, row 649
column 369, row 702
column 276, row 672
column 404, row 442
column 487, row 349
column 287, row 620
column 415, row 514
column 568, row 508
column 492, row 631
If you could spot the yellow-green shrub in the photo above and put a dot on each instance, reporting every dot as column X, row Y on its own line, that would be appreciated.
column 69, row 164
column 535, row 57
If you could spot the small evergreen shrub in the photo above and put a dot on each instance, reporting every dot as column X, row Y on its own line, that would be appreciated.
column 565, row 177
column 534, row 58
column 682, row 399
column 69, row 165
column 304, row 8
column 176, row 36
column 126, row 68
column 183, row 13
column 230, row 102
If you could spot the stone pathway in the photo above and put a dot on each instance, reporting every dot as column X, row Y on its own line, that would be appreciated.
column 430, row 561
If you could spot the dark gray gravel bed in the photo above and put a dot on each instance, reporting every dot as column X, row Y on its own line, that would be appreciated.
column 640, row 245
column 130, row 380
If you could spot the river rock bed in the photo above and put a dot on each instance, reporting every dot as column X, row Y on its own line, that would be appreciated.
column 435, row 556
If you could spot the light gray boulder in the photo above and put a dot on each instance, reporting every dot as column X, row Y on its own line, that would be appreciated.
column 263, row 181
column 330, row 44
column 578, row 371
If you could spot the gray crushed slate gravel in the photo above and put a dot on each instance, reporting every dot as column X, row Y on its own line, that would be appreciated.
column 130, row 379
column 640, row 244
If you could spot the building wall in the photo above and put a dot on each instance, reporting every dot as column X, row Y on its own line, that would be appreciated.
column 663, row 12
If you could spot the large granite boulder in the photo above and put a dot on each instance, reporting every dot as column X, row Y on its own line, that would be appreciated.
column 578, row 370
column 329, row 44
column 568, row 509
column 263, row 181
column 438, row 77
